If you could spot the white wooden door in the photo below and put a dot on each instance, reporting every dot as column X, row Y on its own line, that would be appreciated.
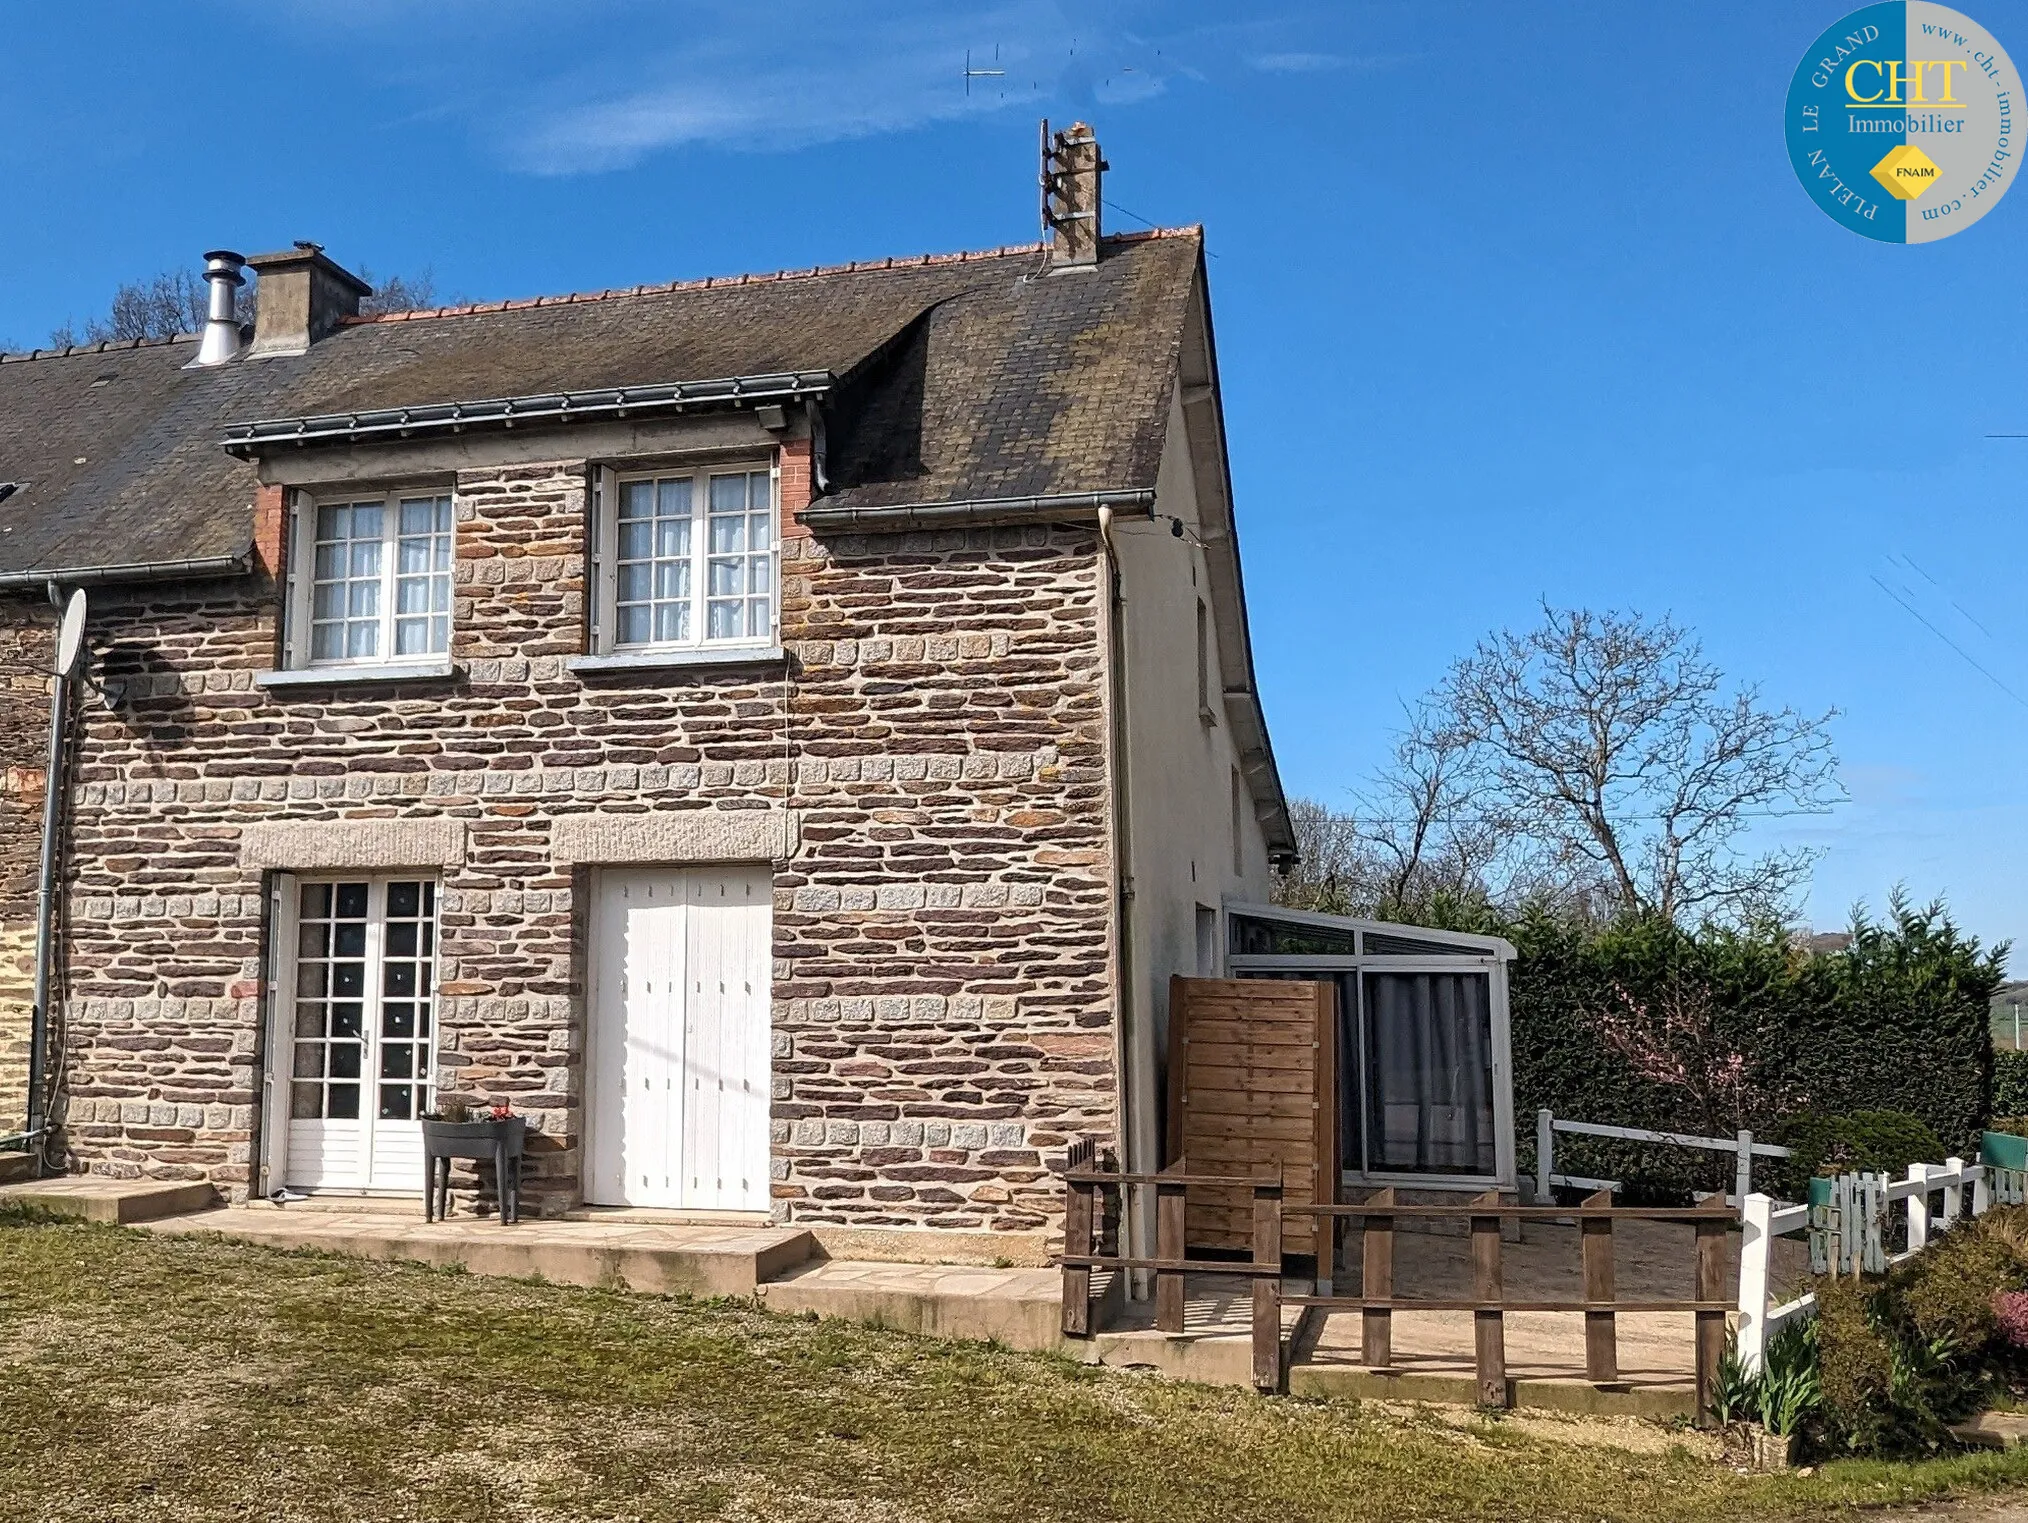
column 677, row 1104
column 360, row 1054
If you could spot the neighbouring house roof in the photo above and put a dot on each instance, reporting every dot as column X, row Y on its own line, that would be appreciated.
column 950, row 376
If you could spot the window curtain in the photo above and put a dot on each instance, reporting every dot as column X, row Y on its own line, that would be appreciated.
column 1429, row 1073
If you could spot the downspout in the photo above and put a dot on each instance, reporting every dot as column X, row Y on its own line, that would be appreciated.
column 1138, row 1221
column 45, row 912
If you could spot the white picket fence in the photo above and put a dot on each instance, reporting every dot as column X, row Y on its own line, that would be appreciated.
column 1743, row 1148
column 1850, row 1234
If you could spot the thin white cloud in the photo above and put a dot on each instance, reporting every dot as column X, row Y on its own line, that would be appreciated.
column 1297, row 63
column 831, row 78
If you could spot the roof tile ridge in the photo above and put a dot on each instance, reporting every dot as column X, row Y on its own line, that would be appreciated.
column 97, row 346
column 715, row 282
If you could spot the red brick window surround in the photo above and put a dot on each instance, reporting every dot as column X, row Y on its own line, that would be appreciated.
column 369, row 578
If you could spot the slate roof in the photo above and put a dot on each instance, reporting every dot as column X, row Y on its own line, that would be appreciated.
column 961, row 377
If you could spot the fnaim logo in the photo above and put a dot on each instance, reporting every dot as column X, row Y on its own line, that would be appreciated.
column 1902, row 121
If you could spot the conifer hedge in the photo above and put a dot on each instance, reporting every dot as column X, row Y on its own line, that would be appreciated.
column 1895, row 1022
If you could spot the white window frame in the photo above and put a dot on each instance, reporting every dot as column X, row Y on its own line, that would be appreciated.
column 303, row 578
column 607, row 486
column 278, row 1075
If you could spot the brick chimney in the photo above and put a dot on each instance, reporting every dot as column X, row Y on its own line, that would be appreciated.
column 1070, row 179
column 300, row 298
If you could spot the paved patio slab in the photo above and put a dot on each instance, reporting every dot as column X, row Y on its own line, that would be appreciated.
column 655, row 1259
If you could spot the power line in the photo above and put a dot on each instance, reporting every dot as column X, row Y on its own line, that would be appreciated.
column 1497, row 819
column 1925, row 623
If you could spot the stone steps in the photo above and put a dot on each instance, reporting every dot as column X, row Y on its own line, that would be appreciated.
column 1021, row 1308
column 15, row 1168
column 117, row 1202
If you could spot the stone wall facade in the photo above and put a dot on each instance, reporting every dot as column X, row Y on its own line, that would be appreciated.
column 942, row 987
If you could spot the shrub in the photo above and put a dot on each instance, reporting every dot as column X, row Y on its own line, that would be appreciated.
column 1878, row 1142
column 1947, row 1292
column 1855, row 1364
column 2010, row 1316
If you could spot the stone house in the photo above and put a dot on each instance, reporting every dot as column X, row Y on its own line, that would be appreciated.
column 779, row 733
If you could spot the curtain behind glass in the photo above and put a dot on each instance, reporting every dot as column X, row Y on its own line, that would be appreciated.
column 1429, row 1073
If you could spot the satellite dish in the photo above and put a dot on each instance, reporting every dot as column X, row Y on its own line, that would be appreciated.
column 70, row 634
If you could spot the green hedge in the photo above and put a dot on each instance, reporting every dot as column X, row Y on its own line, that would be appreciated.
column 1878, row 1142
column 1897, row 1021
column 2010, row 1083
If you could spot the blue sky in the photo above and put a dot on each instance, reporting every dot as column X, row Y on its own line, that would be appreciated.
column 1512, row 302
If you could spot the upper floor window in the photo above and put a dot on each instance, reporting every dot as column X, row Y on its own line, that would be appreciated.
column 686, row 559
column 374, row 580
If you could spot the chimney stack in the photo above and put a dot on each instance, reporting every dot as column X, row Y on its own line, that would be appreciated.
column 1071, row 168
column 221, row 323
column 302, row 297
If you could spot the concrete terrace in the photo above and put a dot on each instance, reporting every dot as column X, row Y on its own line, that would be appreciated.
column 788, row 1270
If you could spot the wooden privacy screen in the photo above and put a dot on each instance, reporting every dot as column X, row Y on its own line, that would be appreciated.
column 1253, row 1087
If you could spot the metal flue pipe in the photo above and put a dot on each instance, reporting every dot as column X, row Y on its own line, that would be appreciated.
column 221, row 323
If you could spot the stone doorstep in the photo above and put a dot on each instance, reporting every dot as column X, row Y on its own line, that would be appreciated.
column 1993, row 1430
column 16, row 1168
column 1021, row 1308
column 122, row 1202
column 656, row 1260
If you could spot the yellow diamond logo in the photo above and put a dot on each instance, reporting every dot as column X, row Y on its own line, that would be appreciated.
column 1906, row 172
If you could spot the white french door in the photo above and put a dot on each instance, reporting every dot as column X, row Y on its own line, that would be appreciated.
column 358, row 1051
column 678, row 1094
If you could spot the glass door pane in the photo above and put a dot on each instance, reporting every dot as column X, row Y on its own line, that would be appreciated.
column 1428, row 1073
column 361, row 1068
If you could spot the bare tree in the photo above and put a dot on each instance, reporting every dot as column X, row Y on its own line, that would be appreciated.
column 1428, row 817
column 1330, row 875
column 177, row 301
column 401, row 293
column 172, row 302
column 1611, row 744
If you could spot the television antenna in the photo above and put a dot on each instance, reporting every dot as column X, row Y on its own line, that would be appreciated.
column 996, row 72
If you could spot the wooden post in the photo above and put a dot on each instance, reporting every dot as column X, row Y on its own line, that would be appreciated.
column 1078, row 1203
column 1489, row 1334
column 1601, row 1330
column 1267, row 1288
column 1545, row 1157
column 1169, row 1205
column 1756, row 1244
column 1709, row 1286
column 1376, row 1282
column 1954, row 1193
column 1918, row 1208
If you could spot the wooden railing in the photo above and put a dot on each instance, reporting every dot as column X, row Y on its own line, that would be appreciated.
column 1489, row 1302
column 1377, row 1217
column 1083, row 1186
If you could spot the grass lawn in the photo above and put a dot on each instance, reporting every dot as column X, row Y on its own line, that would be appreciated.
column 168, row 1378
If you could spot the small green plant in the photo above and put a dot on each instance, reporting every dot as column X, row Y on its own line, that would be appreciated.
column 1735, row 1398
column 1784, row 1393
column 1790, row 1383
